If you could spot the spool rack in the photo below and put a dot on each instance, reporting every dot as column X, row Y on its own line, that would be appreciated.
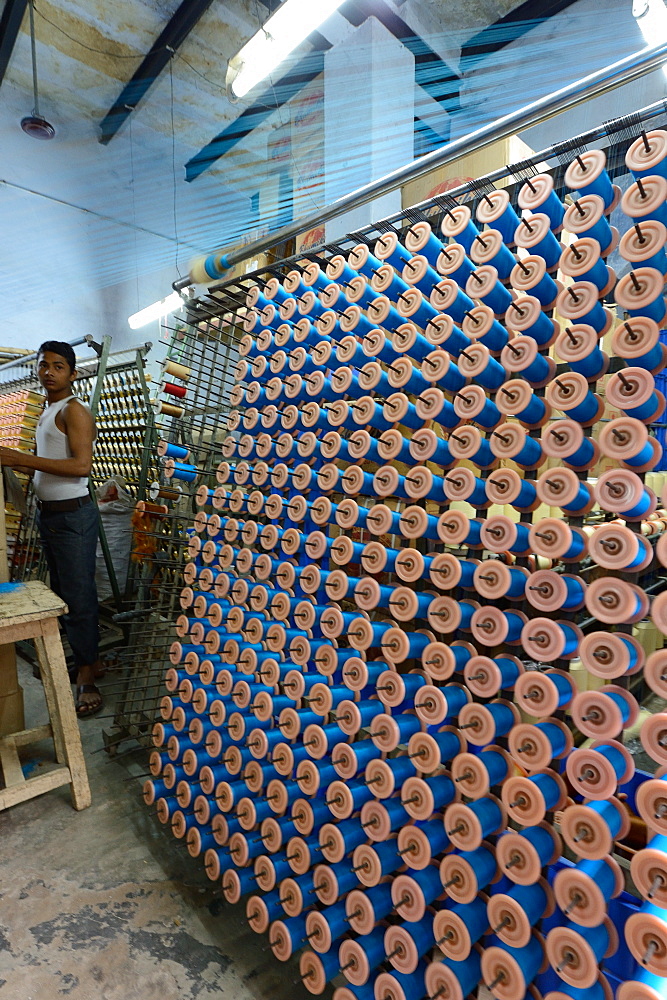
column 207, row 346
column 217, row 780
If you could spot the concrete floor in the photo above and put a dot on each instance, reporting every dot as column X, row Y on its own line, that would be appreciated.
column 105, row 904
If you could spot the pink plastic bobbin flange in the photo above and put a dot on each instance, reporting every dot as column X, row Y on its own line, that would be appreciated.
column 580, row 897
column 459, row 877
column 597, row 716
column 532, row 748
column 524, row 800
column 655, row 674
column 606, row 654
column 592, row 774
column 506, row 914
column 502, row 968
column 571, row 954
column 519, row 860
column 646, row 937
column 587, row 833
column 538, row 692
column 483, row 675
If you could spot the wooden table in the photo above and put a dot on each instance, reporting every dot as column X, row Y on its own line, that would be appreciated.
column 30, row 611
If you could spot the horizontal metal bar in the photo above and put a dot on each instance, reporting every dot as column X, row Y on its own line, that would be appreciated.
column 31, row 357
column 600, row 82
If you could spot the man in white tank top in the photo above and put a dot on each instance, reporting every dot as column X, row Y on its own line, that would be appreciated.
column 68, row 520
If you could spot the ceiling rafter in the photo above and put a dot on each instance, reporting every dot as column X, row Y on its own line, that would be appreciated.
column 10, row 25
column 169, row 41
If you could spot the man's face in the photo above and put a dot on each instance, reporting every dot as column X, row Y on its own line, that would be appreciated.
column 53, row 372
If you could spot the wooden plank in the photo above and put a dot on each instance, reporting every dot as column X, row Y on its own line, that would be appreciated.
column 10, row 764
column 27, row 736
column 63, row 717
column 34, row 786
column 30, row 602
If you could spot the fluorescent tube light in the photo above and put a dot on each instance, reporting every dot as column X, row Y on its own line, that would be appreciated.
column 285, row 29
column 155, row 311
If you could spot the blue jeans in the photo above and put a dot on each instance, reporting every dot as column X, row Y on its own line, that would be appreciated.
column 70, row 542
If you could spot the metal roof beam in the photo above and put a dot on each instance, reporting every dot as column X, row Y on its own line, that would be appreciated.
column 280, row 93
column 169, row 41
column 10, row 25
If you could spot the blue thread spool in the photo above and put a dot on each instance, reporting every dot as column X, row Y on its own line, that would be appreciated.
column 492, row 375
column 365, row 262
column 379, row 897
column 477, row 497
column 457, row 697
column 468, row 973
column 461, row 270
column 530, row 455
column 435, row 834
column 395, row 288
column 384, row 350
column 345, row 878
column 496, row 765
column 358, row 357
column 174, row 450
column 532, row 899
column 429, row 881
column 448, row 744
column 503, row 718
column 482, row 864
column 529, row 958
column 407, row 726
column 609, row 813
column 185, row 473
column 387, row 317
column 371, row 450
column 409, row 985
column 473, row 916
column 592, row 178
column 424, row 282
column 501, row 216
column 431, row 249
column 550, row 790
column 495, row 338
column 343, row 271
column 456, row 341
column 416, row 383
column 423, row 314
column 419, row 347
column 535, row 234
column 458, row 226
column 458, row 307
column 391, row 251
column 383, row 386
column 489, row 417
column 489, row 816
column 409, row 416
column 503, row 261
column 498, row 298
column 353, row 834
column 389, row 860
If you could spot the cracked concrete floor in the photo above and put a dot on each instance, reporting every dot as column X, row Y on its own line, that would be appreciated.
column 105, row 905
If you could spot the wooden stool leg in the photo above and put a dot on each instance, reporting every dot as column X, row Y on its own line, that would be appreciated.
column 61, row 709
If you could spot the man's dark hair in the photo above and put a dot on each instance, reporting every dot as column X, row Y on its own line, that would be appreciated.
column 59, row 347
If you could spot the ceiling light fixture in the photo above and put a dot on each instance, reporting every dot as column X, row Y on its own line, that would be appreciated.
column 34, row 125
column 651, row 17
column 157, row 310
column 285, row 29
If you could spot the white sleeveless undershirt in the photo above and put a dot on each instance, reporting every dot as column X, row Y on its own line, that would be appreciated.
column 51, row 442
